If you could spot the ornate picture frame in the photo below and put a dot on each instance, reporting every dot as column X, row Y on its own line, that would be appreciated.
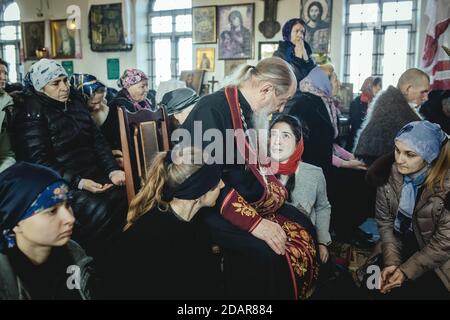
column 193, row 79
column 65, row 42
column 204, row 24
column 106, row 30
column 317, row 16
column 236, row 31
column 266, row 49
column 205, row 59
column 33, row 35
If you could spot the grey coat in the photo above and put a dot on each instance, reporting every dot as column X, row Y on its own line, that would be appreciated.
column 387, row 114
column 12, row 288
column 310, row 197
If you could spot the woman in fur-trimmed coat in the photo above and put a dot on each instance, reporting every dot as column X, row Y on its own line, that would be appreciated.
column 412, row 212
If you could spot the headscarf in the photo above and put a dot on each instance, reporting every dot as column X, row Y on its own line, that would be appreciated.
column 196, row 185
column 426, row 139
column 287, row 28
column 291, row 165
column 86, row 84
column 131, row 77
column 318, row 84
column 44, row 71
column 366, row 90
column 25, row 190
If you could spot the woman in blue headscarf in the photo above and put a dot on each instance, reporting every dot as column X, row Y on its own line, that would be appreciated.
column 94, row 93
column 413, row 214
column 36, row 223
column 294, row 49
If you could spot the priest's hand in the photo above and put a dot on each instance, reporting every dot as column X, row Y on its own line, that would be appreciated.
column 272, row 234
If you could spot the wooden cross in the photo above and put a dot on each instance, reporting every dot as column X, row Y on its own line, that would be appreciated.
column 213, row 82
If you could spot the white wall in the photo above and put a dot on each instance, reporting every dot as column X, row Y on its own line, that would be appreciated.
column 95, row 62
column 287, row 9
column 92, row 62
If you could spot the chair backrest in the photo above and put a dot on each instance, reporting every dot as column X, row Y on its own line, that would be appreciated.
column 142, row 135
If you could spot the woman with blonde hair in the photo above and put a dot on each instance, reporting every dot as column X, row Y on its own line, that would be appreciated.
column 164, row 253
column 413, row 214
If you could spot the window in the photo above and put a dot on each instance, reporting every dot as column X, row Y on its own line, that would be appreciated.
column 379, row 39
column 10, row 39
column 170, row 39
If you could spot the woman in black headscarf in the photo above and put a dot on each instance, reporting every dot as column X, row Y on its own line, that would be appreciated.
column 294, row 49
column 36, row 223
column 164, row 252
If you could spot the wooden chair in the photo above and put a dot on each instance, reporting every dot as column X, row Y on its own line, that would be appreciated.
column 142, row 135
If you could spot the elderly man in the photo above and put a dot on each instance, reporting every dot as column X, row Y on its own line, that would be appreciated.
column 263, row 240
column 390, row 111
column 6, row 154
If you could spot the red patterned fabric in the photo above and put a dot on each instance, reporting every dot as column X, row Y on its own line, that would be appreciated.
column 301, row 249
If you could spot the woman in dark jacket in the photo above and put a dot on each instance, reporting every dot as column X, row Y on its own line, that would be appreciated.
column 164, row 252
column 133, row 97
column 315, row 107
column 53, row 127
column 37, row 258
column 413, row 214
column 294, row 50
column 93, row 91
column 358, row 107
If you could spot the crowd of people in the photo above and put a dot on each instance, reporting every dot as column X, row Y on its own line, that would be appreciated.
column 256, row 226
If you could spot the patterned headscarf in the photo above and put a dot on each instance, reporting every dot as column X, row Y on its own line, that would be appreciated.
column 44, row 71
column 131, row 77
column 85, row 83
column 318, row 84
column 25, row 190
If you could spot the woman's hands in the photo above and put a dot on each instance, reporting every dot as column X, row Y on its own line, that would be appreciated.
column 119, row 157
column 272, row 234
column 94, row 187
column 300, row 51
column 323, row 253
column 118, row 177
column 354, row 164
column 391, row 277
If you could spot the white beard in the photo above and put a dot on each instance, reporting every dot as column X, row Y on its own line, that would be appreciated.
column 260, row 121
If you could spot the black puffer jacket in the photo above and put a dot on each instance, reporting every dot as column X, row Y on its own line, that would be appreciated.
column 62, row 136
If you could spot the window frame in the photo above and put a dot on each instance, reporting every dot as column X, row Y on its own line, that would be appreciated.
column 174, row 37
column 379, row 29
column 15, row 43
